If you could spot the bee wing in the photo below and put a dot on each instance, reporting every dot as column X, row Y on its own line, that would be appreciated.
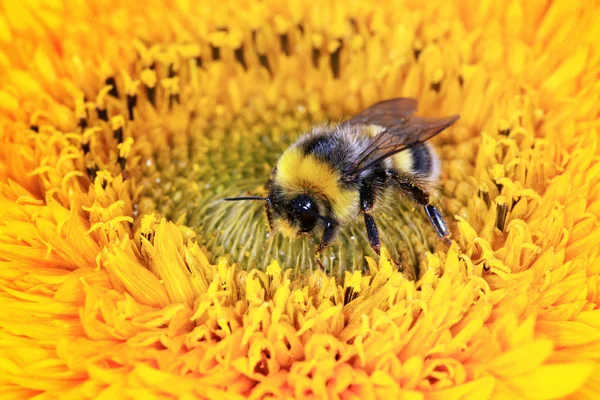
column 386, row 113
column 399, row 129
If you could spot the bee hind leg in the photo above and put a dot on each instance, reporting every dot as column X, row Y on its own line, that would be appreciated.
column 438, row 222
column 421, row 197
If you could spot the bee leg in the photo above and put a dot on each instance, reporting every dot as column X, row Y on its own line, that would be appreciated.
column 269, row 216
column 373, row 233
column 328, row 236
column 438, row 222
column 421, row 197
column 318, row 260
column 271, row 235
column 367, row 200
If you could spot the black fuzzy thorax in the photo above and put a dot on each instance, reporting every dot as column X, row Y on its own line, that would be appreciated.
column 340, row 149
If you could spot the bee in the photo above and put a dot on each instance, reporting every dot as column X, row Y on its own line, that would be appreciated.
column 331, row 175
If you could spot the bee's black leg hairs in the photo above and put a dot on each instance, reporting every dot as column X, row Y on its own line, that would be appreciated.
column 438, row 222
column 367, row 200
column 419, row 196
column 373, row 233
column 269, row 217
column 328, row 236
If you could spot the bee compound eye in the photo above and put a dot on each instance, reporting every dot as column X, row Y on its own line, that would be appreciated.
column 306, row 212
column 307, row 221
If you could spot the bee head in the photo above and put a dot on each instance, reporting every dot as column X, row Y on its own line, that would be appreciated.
column 293, row 216
column 303, row 212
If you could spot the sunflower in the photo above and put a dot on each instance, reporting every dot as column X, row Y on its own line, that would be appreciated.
column 122, row 275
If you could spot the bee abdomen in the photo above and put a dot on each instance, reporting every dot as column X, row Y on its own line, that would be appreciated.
column 420, row 160
column 319, row 145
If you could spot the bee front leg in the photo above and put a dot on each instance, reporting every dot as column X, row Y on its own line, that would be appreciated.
column 329, row 233
column 269, row 217
column 367, row 200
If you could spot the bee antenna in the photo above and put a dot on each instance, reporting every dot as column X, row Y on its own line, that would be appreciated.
column 248, row 198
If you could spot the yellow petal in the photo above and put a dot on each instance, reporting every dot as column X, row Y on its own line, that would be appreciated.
column 552, row 381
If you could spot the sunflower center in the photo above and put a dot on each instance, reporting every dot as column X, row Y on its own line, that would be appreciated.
column 190, row 152
column 186, row 179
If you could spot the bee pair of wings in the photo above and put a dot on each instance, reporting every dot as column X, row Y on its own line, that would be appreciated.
column 401, row 129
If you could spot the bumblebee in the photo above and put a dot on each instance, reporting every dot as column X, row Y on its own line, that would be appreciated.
column 328, row 177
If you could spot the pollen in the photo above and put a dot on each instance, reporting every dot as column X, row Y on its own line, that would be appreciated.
column 125, row 147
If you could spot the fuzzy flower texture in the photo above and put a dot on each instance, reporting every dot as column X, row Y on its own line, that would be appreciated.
column 123, row 274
